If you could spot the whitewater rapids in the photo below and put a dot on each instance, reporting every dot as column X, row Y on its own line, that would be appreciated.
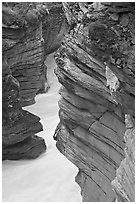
column 51, row 177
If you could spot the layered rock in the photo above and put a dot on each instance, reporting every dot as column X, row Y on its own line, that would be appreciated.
column 30, row 31
column 95, row 65
column 29, row 35
column 22, row 48
column 18, row 126
column 124, row 183
column 22, row 35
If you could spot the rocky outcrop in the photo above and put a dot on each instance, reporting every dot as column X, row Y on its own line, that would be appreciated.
column 18, row 126
column 95, row 65
column 124, row 183
column 21, row 69
column 27, row 38
column 29, row 34
column 22, row 36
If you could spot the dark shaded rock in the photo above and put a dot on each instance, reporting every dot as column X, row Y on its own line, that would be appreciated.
column 23, row 46
column 31, row 31
column 21, row 128
column 18, row 126
column 54, row 28
column 29, row 148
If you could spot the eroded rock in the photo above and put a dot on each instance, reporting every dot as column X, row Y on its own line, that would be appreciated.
column 92, row 127
column 18, row 126
column 124, row 183
column 30, row 32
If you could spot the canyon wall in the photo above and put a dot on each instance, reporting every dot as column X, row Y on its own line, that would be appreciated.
column 26, row 41
column 95, row 66
column 124, row 183
column 18, row 126
column 30, row 31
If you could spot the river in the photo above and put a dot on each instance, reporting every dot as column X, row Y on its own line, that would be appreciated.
column 51, row 177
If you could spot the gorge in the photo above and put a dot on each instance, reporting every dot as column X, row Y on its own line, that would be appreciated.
column 95, row 61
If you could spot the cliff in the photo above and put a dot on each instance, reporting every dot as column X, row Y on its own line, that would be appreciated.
column 95, row 66
column 26, row 41
column 18, row 126
column 124, row 183
column 27, row 32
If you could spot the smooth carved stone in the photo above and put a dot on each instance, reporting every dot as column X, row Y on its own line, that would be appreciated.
column 29, row 148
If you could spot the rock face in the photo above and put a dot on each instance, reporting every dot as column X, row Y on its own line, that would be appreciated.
column 95, row 65
column 22, row 35
column 124, row 183
column 54, row 27
column 30, row 31
column 18, row 126
column 27, row 35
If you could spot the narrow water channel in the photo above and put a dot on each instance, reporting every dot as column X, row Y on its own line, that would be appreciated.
column 51, row 177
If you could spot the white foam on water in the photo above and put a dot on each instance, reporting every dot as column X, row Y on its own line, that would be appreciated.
column 51, row 177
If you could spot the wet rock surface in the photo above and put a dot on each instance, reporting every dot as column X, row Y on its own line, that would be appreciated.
column 97, row 92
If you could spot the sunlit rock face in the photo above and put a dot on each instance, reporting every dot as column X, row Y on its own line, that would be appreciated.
column 29, row 35
column 95, row 66
column 18, row 126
